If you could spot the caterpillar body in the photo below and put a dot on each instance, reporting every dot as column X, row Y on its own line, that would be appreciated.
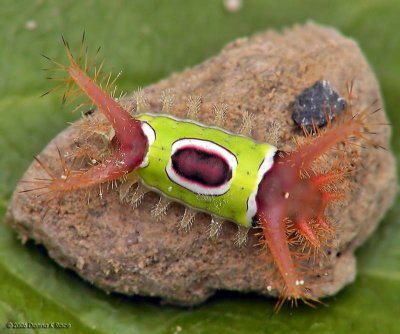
column 206, row 168
column 229, row 176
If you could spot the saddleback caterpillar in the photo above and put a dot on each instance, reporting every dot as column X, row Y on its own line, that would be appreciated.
column 229, row 176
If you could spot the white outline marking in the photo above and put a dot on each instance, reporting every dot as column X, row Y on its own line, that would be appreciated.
column 150, row 134
column 265, row 166
column 209, row 147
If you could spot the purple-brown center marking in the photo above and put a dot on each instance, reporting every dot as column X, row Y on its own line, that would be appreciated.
column 206, row 168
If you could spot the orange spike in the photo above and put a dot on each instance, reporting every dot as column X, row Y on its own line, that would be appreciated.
column 130, row 141
column 322, row 223
column 328, row 178
column 273, row 226
column 304, row 228
column 332, row 196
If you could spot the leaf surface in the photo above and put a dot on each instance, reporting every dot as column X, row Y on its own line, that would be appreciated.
column 149, row 40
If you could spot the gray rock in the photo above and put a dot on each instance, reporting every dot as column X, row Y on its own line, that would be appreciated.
column 317, row 104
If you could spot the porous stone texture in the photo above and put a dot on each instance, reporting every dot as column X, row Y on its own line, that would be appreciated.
column 124, row 249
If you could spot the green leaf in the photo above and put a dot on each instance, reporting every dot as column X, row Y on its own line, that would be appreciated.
column 148, row 40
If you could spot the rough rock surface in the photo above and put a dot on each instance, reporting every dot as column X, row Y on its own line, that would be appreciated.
column 119, row 248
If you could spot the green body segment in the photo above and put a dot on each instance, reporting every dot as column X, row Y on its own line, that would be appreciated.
column 232, row 205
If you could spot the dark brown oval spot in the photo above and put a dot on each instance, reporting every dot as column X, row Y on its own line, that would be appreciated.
column 199, row 166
